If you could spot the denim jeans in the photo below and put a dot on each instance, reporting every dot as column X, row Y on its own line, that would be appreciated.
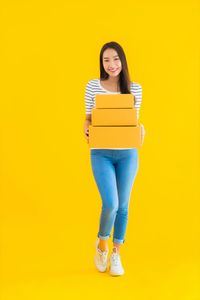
column 114, row 172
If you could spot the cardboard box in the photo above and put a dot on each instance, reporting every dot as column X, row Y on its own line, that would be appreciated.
column 114, row 101
column 114, row 136
column 114, row 117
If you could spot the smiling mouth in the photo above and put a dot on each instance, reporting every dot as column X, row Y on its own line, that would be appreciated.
column 113, row 71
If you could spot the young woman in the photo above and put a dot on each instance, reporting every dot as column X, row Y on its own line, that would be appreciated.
column 114, row 169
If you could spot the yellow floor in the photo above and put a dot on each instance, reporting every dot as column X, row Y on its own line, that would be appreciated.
column 154, row 270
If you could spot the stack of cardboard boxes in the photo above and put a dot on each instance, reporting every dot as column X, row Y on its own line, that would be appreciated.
column 114, row 122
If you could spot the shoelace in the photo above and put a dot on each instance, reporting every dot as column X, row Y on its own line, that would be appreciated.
column 115, row 259
column 103, row 255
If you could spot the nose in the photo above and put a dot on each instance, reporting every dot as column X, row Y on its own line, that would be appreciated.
column 112, row 66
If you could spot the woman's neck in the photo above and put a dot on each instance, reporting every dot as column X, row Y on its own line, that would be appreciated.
column 113, row 80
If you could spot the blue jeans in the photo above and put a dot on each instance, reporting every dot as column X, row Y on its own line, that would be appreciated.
column 114, row 172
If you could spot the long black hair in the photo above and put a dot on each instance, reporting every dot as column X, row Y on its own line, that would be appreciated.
column 124, row 78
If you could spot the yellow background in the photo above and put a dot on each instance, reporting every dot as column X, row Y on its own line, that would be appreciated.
column 50, row 204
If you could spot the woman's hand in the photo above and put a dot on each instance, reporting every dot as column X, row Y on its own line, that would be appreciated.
column 86, row 129
column 142, row 133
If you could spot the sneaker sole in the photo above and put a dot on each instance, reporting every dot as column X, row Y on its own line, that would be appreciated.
column 115, row 274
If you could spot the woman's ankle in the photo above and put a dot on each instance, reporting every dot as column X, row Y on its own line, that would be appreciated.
column 116, row 250
column 103, row 246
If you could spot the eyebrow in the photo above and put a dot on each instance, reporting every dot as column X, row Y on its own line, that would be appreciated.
column 113, row 56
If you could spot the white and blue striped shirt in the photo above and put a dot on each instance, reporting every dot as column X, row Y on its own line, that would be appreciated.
column 94, row 87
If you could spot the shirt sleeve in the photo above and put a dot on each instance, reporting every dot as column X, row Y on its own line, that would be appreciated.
column 88, row 98
column 138, row 99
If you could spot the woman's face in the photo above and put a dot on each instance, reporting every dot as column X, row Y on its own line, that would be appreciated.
column 111, row 62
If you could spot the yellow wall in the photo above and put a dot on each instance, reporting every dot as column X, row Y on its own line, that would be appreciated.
column 50, row 204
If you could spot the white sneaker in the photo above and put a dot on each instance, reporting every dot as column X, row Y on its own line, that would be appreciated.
column 101, row 258
column 116, row 265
